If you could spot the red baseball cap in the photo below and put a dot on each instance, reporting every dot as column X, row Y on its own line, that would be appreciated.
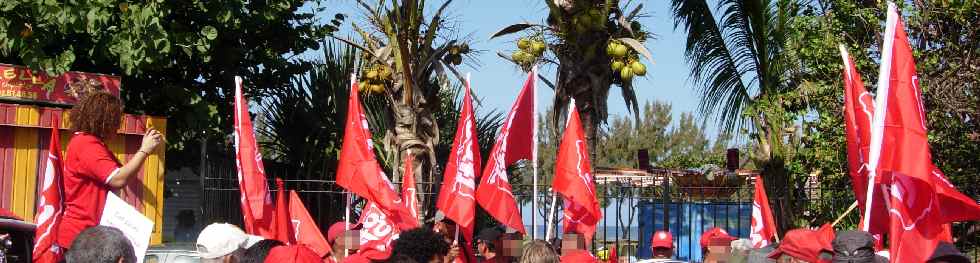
column 805, row 244
column 662, row 239
column 292, row 253
column 716, row 236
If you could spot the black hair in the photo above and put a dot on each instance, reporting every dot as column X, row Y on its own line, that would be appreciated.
column 401, row 259
column 420, row 244
column 100, row 244
column 260, row 250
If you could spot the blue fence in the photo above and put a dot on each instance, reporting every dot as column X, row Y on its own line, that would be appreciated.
column 686, row 222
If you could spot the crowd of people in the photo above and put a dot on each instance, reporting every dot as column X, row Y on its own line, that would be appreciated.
column 226, row 243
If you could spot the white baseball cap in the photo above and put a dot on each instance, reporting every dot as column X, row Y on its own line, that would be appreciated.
column 220, row 239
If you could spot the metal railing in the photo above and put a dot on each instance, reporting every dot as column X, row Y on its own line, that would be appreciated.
column 631, row 214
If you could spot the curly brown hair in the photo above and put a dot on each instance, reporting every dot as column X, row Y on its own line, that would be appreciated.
column 98, row 113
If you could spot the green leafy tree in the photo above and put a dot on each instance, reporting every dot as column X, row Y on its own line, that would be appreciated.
column 176, row 58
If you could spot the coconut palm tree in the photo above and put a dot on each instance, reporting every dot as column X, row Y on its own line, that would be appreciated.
column 408, row 57
column 595, row 45
column 744, row 72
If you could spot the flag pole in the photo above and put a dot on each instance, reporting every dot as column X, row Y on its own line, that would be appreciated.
column 534, row 153
column 878, row 121
column 347, row 200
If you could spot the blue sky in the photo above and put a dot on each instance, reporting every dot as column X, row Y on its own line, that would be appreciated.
column 497, row 82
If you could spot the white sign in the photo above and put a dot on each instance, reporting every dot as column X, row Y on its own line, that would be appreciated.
column 137, row 228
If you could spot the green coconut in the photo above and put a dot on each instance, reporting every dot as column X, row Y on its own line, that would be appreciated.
column 626, row 74
column 524, row 43
column 620, row 51
column 617, row 65
column 638, row 68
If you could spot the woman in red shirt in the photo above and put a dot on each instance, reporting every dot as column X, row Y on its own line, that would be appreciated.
column 90, row 169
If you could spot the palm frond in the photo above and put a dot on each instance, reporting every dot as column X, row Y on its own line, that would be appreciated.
column 714, row 67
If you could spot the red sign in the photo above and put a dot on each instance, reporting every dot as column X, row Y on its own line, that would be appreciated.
column 21, row 83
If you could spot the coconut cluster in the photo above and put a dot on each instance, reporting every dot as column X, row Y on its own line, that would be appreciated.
column 374, row 78
column 625, row 61
column 529, row 50
column 455, row 54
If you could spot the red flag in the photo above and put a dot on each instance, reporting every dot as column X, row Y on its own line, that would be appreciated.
column 858, row 113
column 921, row 201
column 283, row 224
column 359, row 172
column 377, row 232
column 763, row 228
column 408, row 189
column 613, row 258
column 573, row 179
column 304, row 228
column 513, row 143
column 455, row 198
column 49, row 203
column 255, row 201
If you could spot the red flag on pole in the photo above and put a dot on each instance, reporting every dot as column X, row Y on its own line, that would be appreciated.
column 573, row 179
column 304, row 228
column 408, row 188
column 255, row 201
column 858, row 113
column 921, row 200
column 377, row 232
column 455, row 198
column 283, row 221
column 49, row 204
column 763, row 228
column 513, row 143
column 359, row 172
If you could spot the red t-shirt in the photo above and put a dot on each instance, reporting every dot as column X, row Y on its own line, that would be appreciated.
column 87, row 169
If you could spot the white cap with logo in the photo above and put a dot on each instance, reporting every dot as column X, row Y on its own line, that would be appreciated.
column 220, row 239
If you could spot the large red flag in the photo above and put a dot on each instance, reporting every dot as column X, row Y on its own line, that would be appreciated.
column 377, row 232
column 763, row 228
column 359, row 172
column 921, row 201
column 49, row 203
column 858, row 113
column 409, row 193
column 573, row 179
column 255, row 201
column 513, row 143
column 455, row 198
column 304, row 228
column 284, row 230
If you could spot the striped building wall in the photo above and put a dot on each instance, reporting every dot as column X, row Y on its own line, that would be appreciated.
column 24, row 138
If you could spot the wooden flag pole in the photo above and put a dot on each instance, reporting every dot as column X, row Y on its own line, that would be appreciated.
column 849, row 209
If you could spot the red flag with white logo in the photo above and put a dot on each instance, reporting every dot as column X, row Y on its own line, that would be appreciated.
column 763, row 228
column 377, row 232
column 455, row 198
column 858, row 113
column 408, row 188
column 573, row 179
column 255, row 201
column 359, row 172
column 304, row 228
column 921, row 201
column 49, row 203
column 514, row 143
column 284, row 230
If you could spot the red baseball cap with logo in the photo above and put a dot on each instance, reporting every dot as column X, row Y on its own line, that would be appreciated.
column 805, row 244
column 662, row 239
column 716, row 236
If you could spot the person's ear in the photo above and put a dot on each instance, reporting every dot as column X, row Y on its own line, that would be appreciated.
column 121, row 260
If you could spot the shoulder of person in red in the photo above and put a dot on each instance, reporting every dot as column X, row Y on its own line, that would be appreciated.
column 578, row 255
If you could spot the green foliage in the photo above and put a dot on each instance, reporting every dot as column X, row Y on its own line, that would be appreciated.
column 176, row 58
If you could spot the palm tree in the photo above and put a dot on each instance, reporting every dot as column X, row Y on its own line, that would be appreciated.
column 742, row 69
column 595, row 45
column 408, row 58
